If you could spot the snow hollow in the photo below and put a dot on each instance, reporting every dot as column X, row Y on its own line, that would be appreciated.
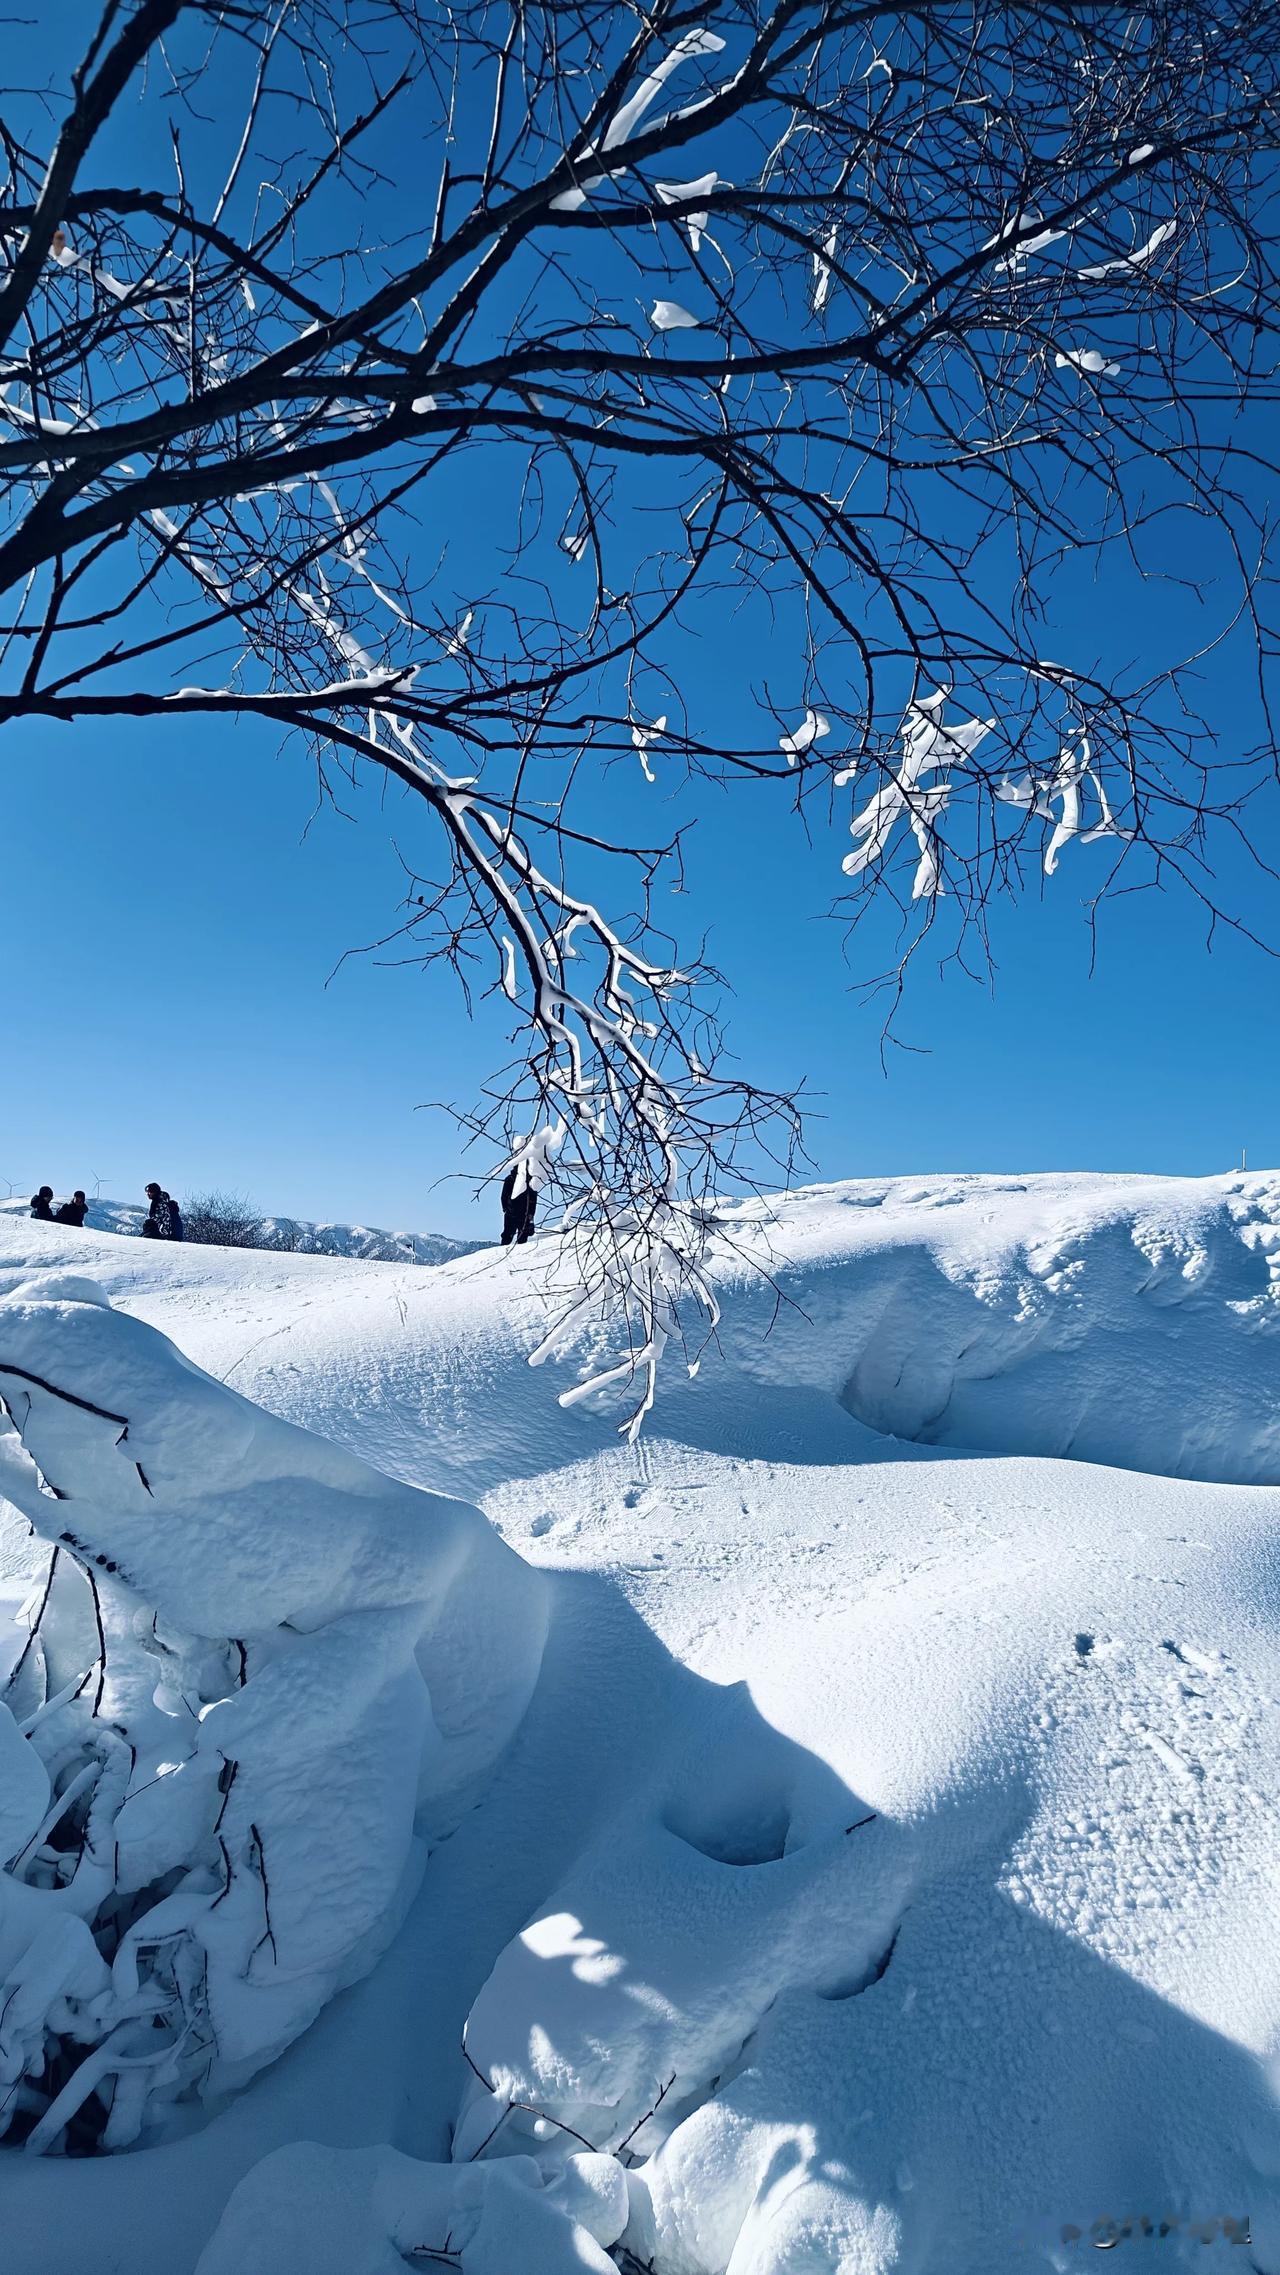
column 838, row 1832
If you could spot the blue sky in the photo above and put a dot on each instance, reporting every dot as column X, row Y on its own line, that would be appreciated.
column 171, row 913
column 169, row 931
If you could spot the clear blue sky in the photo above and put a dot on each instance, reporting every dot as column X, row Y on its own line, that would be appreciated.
column 168, row 925
column 168, row 933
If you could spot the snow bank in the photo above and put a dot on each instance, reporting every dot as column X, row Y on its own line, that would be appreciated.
column 958, row 1933
column 369, row 2211
column 257, row 1673
column 1127, row 1320
column 946, row 1942
column 881, row 1875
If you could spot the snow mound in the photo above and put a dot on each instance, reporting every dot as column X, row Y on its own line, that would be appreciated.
column 948, row 1943
column 875, row 1856
column 257, row 1676
column 981, row 1949
column 1132, row 1321
column 368, row 2211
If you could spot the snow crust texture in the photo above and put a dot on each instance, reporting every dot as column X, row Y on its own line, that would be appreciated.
column 863, row 1843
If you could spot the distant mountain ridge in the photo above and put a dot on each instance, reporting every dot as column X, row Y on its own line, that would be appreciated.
column 365, row 1243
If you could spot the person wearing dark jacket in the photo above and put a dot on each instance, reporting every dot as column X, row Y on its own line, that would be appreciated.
column 42, row 1205
column 175, row 1218
column 518, row 1208
column 528, row 1170
column 161, row 1215
column 73, row 1211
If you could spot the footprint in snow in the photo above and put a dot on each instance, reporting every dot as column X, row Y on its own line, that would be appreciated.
column 1196, row 1660
column 1191, row 1772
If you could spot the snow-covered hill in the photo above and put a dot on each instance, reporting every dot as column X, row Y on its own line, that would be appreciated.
column 1127, row 1320
column 295, row 1235
column 367, row 1242
column 881, row 1873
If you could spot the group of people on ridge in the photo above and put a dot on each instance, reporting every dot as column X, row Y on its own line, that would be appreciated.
column 163, row 1221
column 73, row 1211
column 523, row 1177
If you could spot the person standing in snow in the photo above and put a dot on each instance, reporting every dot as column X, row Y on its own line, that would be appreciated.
column 42, row 1205
column 519, row 1206
column 164, row 1222
column 73, row 1211
column 527, row 1172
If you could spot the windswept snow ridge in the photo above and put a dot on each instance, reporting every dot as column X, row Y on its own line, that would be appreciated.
column 1127, row 1320
column 1134, row 1321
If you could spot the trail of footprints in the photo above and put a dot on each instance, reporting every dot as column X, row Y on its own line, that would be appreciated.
column 1162, row 1723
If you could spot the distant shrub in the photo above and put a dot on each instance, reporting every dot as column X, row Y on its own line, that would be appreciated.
column 222, row 1220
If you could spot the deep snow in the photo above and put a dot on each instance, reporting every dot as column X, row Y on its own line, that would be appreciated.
column 899, row 1819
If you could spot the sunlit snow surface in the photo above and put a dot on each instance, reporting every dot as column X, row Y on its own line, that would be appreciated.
column 896, row 1821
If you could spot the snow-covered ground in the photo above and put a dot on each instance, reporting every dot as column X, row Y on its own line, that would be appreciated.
column 854, row 1846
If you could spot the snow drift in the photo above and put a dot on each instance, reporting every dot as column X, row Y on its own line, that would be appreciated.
column 1127, row 1320
column 1008, row 1969
column 874, row 1850
column 253, row 1667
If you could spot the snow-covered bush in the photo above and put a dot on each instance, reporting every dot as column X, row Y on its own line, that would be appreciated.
column 256, row 1679
column 225, row 1220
